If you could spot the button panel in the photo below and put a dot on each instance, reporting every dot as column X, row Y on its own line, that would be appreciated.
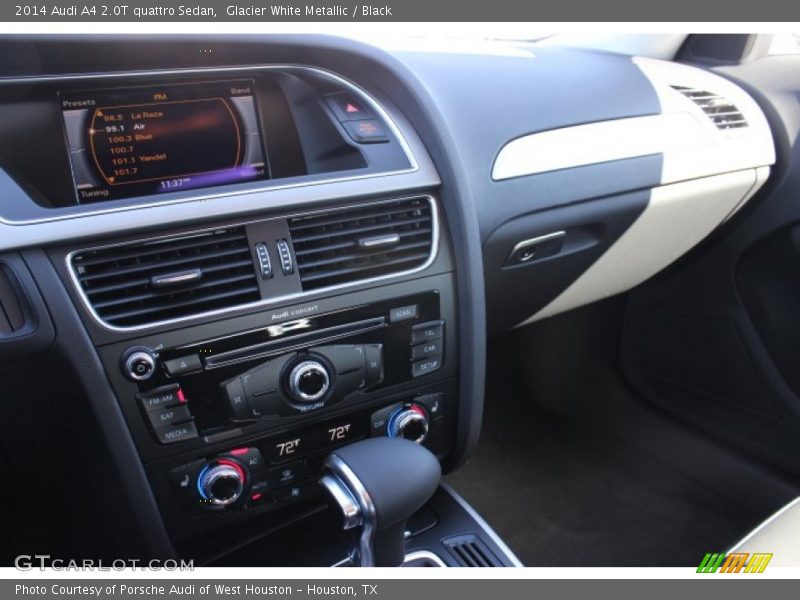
column 427, row 347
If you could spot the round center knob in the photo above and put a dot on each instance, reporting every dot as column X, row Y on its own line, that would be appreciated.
column 309, row 381
column 409, row 423
column 221, row 483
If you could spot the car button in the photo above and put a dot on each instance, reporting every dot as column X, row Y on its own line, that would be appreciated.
column 169, row 416
column 427, row 349
column 425, row 366
column 403, row 313
column 183, row 365
column 162, row 398
column 176, row 433
column 347, row 108
column 250, row 457
column 366, row 131
column 424, row 332
column 374, row 358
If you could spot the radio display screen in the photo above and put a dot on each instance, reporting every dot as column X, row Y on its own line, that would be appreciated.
column 149, row 140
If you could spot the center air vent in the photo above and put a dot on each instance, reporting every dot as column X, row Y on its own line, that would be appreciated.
column 349, row 245
column 158, row 280
column 720, row 110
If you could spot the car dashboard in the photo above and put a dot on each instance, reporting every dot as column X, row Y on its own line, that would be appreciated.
column 251, row 251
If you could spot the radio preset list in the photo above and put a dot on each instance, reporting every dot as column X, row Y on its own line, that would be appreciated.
column 128, row 142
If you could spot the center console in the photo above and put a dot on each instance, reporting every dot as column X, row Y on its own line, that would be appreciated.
column 233, row 407
column 261, row 260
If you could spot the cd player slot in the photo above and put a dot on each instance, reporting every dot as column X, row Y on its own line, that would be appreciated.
column 298, row 341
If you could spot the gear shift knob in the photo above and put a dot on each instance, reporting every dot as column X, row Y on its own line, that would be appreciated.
column 379, row 483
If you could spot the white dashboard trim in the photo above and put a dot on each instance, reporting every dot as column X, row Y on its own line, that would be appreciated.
column 691, row 146
column 678, row 216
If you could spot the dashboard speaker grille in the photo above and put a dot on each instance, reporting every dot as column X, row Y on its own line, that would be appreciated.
column 146, row 282
column 720, row 110
column 345, row 246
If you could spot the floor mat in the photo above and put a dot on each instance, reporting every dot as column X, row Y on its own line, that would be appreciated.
column 562, row 493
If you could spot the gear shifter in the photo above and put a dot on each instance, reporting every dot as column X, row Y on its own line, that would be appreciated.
column 378, row 484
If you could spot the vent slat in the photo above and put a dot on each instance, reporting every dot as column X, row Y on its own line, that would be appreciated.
column 97, row 290
column 722, row 113
column 311, row 222
column 352, row 243
column 160, row 265
column 333, row 233
column 344, row 258
column 344, row 246
column 470, row 551
column 149, row 296
column 210, row 299
column 118, row 281
column 359, row 269
column 154, row 248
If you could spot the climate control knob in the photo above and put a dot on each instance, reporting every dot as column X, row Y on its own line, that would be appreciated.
column 221, row 483
column 309, row 380
column 410, row 423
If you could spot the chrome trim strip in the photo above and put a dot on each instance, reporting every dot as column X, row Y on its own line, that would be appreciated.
column 287, row 344
column 351, row 511
column 352, row 87
column 268, row 301
column 368, row 514
column 483, row 524
column 423, row 555
column 416, row 555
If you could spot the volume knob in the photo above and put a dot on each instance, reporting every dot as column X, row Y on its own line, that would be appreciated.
column 309, row 381
column 138, row 364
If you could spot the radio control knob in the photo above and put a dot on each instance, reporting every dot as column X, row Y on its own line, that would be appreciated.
column 309, row 381
column 221, row 483
column 410, row 423
column 138, row 364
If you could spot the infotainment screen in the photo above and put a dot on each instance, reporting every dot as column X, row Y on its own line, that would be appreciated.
column 149, row 140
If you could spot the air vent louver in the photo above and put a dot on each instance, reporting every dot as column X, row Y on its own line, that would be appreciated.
column 349, row 245
column 470, row 551
column 721, row 111
column 145, row 282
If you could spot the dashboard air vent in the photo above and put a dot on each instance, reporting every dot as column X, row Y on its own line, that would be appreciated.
column 470, row 551
column 145, row 282
column 720, row 110
column 335, row 248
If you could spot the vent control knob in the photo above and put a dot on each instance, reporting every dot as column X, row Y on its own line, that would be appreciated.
column 309, row 381
column 138, row 364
